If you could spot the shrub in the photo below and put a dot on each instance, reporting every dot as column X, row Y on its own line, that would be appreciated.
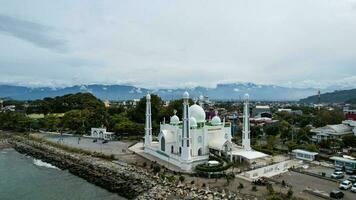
column 270, row 189
column 274, row 198
column 254, row 188
column 171, row 178
column 156, row 169
column 192, row 182
column 181, row 178
column 144, row 164
column 290, row 193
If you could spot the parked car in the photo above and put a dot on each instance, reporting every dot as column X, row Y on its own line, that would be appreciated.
column 105, row 141
column 345, row 185
column 352, row 179
column 350, row 171
column 95, row 140
column 338, row 175
column 353, row 188
column 336, row 194
column 260, row 181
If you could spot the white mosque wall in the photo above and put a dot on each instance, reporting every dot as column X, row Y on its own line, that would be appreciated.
column 176, row 160
column 270, row 170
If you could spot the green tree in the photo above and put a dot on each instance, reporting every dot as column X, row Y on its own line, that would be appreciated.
column 76, row 120
column 349, row 141
column 130, row 127
column 50, row 122
column 271, row 141
column 272, row 129
column 324, row 117
column 137, row 114
column 312, row 147
column 291, row 145
column 285, row 129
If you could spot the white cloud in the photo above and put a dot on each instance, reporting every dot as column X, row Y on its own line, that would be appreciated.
column 302, row 43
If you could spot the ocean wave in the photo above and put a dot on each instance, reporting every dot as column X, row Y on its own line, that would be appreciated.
column 40, row 163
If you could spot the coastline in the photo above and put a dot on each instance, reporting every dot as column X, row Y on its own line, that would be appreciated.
column 105, row 174
column 128, row 181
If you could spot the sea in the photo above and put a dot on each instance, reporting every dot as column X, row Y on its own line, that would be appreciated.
column 25, row 178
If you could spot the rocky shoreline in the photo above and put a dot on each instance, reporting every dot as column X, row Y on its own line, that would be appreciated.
column 127, row 181
column 4, row 144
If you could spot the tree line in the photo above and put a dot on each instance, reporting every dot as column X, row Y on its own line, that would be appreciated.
column 78, row 113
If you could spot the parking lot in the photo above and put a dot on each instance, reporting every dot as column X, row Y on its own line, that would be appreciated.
column 301, row 182
column 326, row 170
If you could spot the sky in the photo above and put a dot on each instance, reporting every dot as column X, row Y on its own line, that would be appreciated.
column 181, row 43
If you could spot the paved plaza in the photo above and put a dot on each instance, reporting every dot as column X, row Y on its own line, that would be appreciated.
column 120, row 149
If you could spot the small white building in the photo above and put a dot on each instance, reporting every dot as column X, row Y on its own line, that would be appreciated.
column 304, row 155
column 100, row 133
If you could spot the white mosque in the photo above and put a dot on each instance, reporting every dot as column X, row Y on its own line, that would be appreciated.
column 188, row 142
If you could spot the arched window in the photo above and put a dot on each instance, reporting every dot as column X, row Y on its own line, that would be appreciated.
column 200, row 152
column 163, row 144
column 101, row 134
column 172, row 149
column 180, row 150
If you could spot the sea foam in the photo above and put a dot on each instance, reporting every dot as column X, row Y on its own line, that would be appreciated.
column 40, row 163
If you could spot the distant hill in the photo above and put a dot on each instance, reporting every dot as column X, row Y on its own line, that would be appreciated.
column 340, row 96
column 124, row 92
column 351, row 101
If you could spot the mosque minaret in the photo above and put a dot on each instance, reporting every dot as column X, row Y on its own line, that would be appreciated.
column 246, row 142
column 148, row 124
column 186, row 147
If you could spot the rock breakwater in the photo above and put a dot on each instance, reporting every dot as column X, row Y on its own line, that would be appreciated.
column 126, row 180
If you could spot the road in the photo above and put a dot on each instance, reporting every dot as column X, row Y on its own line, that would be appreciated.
column 301, row 181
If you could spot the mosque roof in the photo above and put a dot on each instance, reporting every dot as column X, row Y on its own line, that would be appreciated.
column 197, row 112
column 250, row 155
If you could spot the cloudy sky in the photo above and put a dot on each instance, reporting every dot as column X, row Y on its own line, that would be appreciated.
column 300, row 43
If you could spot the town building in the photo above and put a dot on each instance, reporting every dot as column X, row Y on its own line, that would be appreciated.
column 290, row 111
column 350, row 114
column 187, row 142
column 304, row 155
column 352, row 124
column 347, row 164
column 261, row 112
column 331, row 132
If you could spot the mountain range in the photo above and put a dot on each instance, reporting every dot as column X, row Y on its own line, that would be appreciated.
column 234, row 91
column 338, row 96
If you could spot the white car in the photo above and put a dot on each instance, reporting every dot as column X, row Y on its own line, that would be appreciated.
column 345, row 185
column 337, row 175
column 353, row 188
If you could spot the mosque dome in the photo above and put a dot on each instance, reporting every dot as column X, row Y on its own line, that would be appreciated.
column 174, row 120
column 246, row 97
column 185, row 95
column 193, row 122
column 197, row 112
column 216, row 120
